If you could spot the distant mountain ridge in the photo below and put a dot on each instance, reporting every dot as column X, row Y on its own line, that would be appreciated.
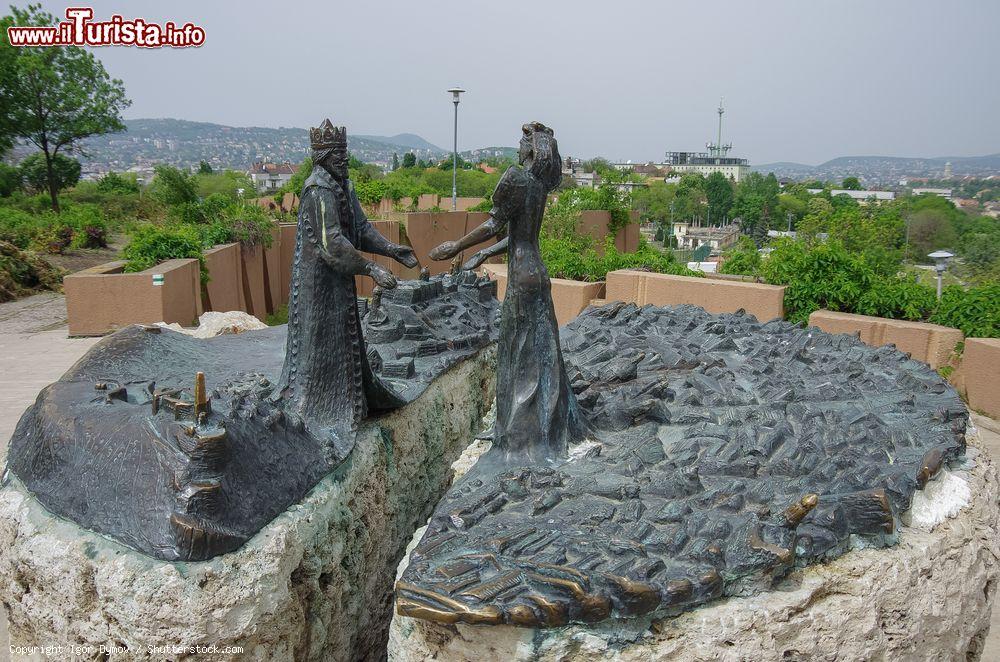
column 183, row 143
column 886, row 169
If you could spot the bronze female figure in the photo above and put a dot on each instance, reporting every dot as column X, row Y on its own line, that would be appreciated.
column 537, row 413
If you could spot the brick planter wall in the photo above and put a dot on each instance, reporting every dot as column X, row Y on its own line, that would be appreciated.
column 931, row 343
column 103, row 299
column 569, row 297
column 765, row 302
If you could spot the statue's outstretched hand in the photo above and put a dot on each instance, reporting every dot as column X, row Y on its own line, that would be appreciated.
column 405, row 256
column 445, row 251
column 475, row 261
column 381, row 276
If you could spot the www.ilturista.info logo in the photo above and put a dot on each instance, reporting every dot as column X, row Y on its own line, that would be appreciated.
column 79, row 30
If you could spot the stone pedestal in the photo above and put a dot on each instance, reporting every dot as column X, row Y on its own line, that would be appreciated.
column 314, row 584
column 929, row 597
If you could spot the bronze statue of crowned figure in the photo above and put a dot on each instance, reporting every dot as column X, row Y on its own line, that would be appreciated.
column 537, row 412
column 326, row 379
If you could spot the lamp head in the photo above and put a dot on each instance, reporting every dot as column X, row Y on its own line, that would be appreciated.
column 455, row 91
column 941, row 259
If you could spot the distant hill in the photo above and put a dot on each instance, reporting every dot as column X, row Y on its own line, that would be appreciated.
column 410, row 140
column 183, row 143
column 886, row 169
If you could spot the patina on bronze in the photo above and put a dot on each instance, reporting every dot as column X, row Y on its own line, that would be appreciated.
column 537, row 413
column 184, row 448
column 719, row 453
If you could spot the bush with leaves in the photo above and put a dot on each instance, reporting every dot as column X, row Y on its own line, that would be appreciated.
column 89, row 229
column 10, row 180
column 112, row 182
column 18, row 227
column 172, row 186
column 822, row 276
column 564, row 258
column 245, row 223
column 742, row 259
column 897, row 298
column 976, row 311
column 606, row 197
column 152, row 244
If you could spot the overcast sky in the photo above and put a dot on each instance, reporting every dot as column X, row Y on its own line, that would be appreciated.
column 803, row 80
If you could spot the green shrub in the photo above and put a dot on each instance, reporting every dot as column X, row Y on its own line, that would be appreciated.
column 825, row 275
column 976, row 311
column 89, row 229
column 563, row 258
column 18, row 227
column 742, row 259
column 152, row 244
column 246, row 223
column 897, row 298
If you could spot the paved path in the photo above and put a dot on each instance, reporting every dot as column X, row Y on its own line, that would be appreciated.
column 39, row 312
column 34, row 352
column 30, row 361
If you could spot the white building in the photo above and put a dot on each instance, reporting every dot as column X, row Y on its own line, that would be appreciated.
column 574, row 168
column 270, row 176
column 689, row 237
column 863, row 197
column 940, row 192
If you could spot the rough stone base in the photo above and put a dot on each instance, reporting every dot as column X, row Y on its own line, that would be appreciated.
column 314, row 584
column 927, row 598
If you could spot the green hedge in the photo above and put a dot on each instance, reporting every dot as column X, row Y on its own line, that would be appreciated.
column 152, row 244
column 827, row 275
column 566, row 258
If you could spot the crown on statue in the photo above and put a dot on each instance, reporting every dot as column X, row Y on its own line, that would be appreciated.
column 327, row 135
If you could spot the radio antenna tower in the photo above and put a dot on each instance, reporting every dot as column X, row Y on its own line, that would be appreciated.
column 718, row 149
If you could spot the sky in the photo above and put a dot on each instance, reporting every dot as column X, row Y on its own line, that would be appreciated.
column 802, row 80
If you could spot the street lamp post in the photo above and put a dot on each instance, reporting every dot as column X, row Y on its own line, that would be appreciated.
column 455, row 91
column 940, row 264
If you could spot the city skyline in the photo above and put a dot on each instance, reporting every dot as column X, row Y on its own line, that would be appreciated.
column 803, row 83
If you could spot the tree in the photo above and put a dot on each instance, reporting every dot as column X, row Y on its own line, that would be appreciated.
column 204, row 168
column 115, row 183
column 59, row 173
column 719, row 193
column 395, row 161
column 756, row 204
column 851, row 184
column 10, row 180
column 409, row 160
column 56, row 95
column 653, row 201
column 173, row 187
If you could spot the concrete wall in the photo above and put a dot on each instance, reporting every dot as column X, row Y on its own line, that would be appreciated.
column 595, row 223
column 765, row 302
column 978, row 376
column 272, row 271
column 253, row 281
column 288, row 231
column 224, row 290
column 425, row 230
column 393, row 231
column 931, row 343
column 569, row 297
column 103, row 298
